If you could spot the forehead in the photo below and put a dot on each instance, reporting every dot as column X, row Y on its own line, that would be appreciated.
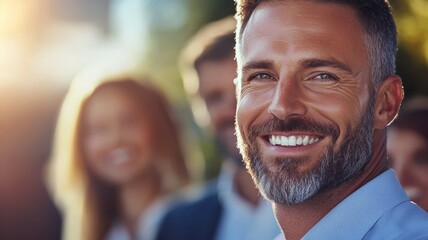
column 217, row 74
column 327, row 28
column 405, row 141
column 109, row 100
column 106, row 95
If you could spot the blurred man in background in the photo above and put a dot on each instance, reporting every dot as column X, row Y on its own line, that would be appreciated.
column 232, row 208
column 407, row 148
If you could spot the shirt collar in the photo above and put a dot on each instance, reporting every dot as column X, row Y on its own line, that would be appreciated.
column 360, row 210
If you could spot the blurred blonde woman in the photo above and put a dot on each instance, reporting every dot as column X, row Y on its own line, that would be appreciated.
column 116, row 160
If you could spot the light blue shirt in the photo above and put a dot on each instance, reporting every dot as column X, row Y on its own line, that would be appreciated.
column 239, row 219
column 378, row 210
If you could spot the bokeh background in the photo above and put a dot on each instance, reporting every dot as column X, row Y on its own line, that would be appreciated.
column 45, row 44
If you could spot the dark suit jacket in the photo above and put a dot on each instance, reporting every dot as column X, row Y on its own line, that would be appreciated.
column 193, row 221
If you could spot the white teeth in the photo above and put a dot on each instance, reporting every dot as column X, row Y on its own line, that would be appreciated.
column 292, row 140
column 299, row 141
column 305, row 141
column 284, row 141
column 119, row 156
column 278, row 140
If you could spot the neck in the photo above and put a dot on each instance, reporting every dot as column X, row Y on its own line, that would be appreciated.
column 296, row 220
column 135, row 197
column 245, row 187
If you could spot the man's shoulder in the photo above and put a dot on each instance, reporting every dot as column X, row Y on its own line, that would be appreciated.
column 197, row 219
column 203, row 205
column 405, row 221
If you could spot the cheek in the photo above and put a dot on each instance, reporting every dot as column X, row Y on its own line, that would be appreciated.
column 346, row 111
column 93, row 149
column 337, row 113
column 252, row 107
column 94, row 146
column 347, row 106
column 422, row 175
column 146, row 140
column 348, row 98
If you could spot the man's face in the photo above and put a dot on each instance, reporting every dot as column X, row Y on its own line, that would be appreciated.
column 304, row 120
column 218, row 92
column 408, row 152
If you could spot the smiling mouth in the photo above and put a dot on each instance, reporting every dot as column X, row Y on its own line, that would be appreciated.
column 119, row 156
column 292, row 140
column 413, row 192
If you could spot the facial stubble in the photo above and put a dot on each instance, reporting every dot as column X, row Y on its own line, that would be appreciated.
column 284, row 183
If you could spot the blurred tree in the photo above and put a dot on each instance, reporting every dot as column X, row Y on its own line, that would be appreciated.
column 412, row 61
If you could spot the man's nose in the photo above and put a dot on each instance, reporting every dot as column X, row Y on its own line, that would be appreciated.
column 287, row 100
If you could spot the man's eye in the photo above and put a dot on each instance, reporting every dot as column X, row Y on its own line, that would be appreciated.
column 261, row 77
column 325, row 77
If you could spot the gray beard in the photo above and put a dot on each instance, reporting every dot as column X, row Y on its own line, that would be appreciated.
column 286, row 185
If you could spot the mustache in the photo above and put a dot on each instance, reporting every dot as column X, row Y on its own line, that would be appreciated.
column 302, row 124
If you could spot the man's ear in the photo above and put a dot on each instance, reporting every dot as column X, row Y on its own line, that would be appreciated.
column 388, row 100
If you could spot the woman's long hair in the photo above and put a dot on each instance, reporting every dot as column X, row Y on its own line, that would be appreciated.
column 89, row 204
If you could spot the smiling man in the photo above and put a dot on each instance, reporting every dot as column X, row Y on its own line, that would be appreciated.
column 316, row 89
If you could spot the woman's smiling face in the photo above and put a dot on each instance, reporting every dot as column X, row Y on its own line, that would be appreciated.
column 408, row 152
column 116, row 136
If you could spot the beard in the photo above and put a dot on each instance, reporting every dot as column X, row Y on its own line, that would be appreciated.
column 286, row 184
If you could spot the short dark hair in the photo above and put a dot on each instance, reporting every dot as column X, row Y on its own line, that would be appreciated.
column 220, row 48
column 214, row 42
column 376, row 18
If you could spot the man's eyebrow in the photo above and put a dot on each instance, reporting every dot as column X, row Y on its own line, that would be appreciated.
column 257, row 65
column 307, row 63
column 313, row 63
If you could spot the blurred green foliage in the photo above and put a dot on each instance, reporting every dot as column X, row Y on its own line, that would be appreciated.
column 412, row 61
